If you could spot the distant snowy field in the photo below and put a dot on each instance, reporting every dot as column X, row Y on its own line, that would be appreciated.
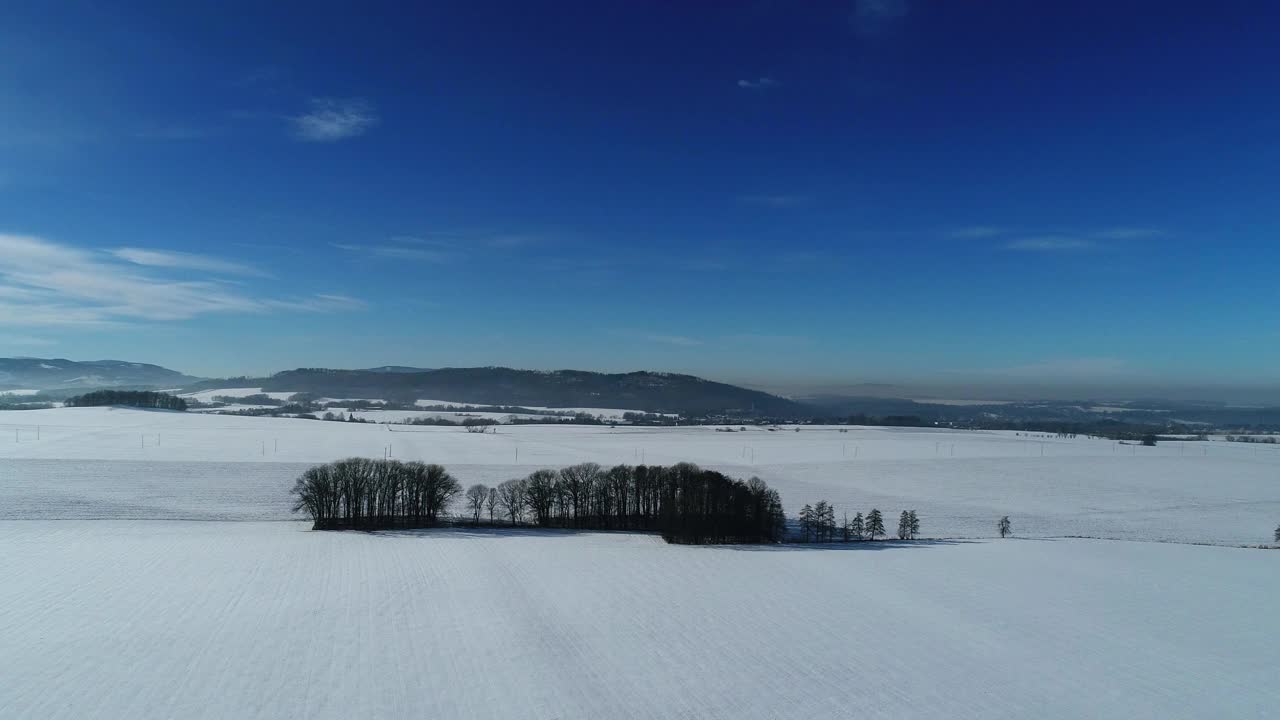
column 118, row 463
column 140, row 577
column 164, row 619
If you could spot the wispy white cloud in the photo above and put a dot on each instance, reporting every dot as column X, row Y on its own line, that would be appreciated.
column 48, row 284
column 186, row 261
column 415, row 249
column 1051, row 244
column 978, row 232
column 761, row 83
column 871, row 17
column 1128, row 233
column 332, row 119
column 317, row 303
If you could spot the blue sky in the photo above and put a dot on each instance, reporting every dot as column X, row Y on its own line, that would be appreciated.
column 787, row 194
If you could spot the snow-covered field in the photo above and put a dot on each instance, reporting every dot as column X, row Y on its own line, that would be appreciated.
column 603, row 413
column 145, row 573
column 400, row 416
column 207, row 396
column 164, row 619
column 101, row 462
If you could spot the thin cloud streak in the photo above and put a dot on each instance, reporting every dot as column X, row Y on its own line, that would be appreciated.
column 407, row 251
column 333, row 119
column 185, row 261
column 1050, row 244
column 761, row 83
column 46, row 284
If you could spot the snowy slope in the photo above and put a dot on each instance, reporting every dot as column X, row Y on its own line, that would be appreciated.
column 94, row 462
column 603, row 413
column 207, row 396
column 267, row 620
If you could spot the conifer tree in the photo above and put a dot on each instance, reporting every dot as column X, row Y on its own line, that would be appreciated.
column 875, row 524
column 856, row 527
column 904, row 525
column 824, row 521
column 806, row 522
column 1278, row 533
column 915, row 524
column 1006, row 528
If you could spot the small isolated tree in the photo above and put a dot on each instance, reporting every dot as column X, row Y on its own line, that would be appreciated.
column 904, row 526
column 915, row 524
column 874, row 524
column 1006, row 528
column 1278, row 533
column 491, row 503
column 856, row 528
column 476, row 496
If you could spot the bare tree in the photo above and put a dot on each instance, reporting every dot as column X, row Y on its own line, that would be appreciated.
column 578, row 482
column 476, row 496
column 1006, row 528
column 491, row 502
column 511, row 494
column 540, row 494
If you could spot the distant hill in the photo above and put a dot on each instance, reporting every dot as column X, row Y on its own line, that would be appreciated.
column 59, row 374
column 649, row 391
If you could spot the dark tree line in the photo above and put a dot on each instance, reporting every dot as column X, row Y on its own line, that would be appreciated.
column 131, row 398
column 370, row 494
column 683, row 502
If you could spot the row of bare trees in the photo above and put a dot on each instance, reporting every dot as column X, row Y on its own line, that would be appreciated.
column 368, row 494
column 685, row 503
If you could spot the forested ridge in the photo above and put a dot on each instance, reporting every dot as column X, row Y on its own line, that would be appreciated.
column 657, row 392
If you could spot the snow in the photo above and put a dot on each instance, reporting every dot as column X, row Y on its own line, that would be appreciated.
column 152, row 569
column 400, row 416
column 207, row 396
column 115, row 462
column 22, row 392
column 267, row 620
column 604, row 413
